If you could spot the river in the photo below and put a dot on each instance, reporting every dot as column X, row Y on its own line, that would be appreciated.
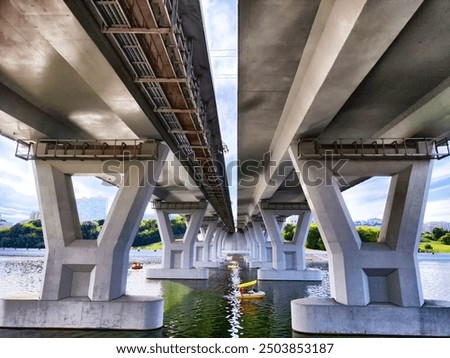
column 204, row 308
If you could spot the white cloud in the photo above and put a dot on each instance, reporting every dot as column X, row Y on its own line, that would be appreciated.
column 441, row 169
column 368, row 199
column 220, row 19
column 437, row 210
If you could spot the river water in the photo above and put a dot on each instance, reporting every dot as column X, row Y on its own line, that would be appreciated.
column 204, row 308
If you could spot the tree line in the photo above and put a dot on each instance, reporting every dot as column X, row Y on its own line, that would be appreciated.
column 314, row 240
column 30, row 235
column 437, row 235
column 366, row 233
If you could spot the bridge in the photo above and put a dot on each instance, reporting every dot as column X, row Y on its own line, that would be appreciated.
column 327, row 98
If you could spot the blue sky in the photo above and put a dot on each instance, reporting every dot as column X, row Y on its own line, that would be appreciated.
column 17, row 188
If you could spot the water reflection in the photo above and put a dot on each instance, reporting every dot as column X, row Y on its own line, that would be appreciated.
column 20, row 276
column 234, row 304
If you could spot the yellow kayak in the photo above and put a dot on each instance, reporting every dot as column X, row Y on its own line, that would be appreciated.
column 250, row 295
column 247, row 284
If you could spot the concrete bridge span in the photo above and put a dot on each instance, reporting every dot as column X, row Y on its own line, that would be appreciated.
column 120, row 90
column 328, row 93
column 328, row 96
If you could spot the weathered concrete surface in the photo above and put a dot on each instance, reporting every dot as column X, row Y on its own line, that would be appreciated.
column 126, row 312
column 325, row 315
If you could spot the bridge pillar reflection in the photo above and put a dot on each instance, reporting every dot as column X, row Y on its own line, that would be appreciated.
column 375, row 287
column 288, row 258
column 178, row 253
column 84, row 282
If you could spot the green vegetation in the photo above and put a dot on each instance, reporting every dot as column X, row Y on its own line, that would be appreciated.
column 436, row 241
column 288, row 232
column 314, row 240
column 368, row 233
column 26, row 235
column 30, row 235
column 435, row 247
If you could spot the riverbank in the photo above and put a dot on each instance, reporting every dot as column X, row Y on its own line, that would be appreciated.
column 312, row 256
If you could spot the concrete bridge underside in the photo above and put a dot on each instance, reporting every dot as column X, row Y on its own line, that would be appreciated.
column 322, row 87
column 119, row 90
column 320, row 82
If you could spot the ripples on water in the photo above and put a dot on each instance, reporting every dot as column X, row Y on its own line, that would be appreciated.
column 204, row 308
column 20, row 275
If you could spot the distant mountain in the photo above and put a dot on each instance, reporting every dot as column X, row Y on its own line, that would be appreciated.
column 375, row 222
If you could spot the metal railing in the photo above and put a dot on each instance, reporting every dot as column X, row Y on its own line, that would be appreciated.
column 116, row 16
column 77, row 149
column 187, row 205
column 374, row 148
column 150, row 37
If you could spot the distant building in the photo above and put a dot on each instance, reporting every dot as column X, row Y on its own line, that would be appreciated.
column 293, row 219
column 92, row 208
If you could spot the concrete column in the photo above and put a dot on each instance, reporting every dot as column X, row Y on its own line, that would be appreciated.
column 214, row 245
column 254, row 259
column 257, row 233
column 288, row 258
column 220, row 243
column 382, row 272
column 178, row 255
column 208, row 237
column 274, row 231
column 300, row 236
column 203, row 248
column 375, row 287
column 253, row 244
column 84, row 281
column 95, row 269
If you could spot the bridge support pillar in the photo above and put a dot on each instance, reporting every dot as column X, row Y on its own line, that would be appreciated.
column 203, row 254
column 253, row 259
column 255, row 227
column 178, row 254
column 375, row 287
column 84, row 282
column 220, row 244
column 288, row 258
column 214, row 243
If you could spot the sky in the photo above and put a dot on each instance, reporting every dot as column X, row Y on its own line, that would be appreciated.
column 18, row 196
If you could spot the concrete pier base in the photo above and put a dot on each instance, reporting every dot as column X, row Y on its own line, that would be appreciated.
column 123, row 313
column 254, row 264
column 325, row 315
column 173, row 274
column 289, row 275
